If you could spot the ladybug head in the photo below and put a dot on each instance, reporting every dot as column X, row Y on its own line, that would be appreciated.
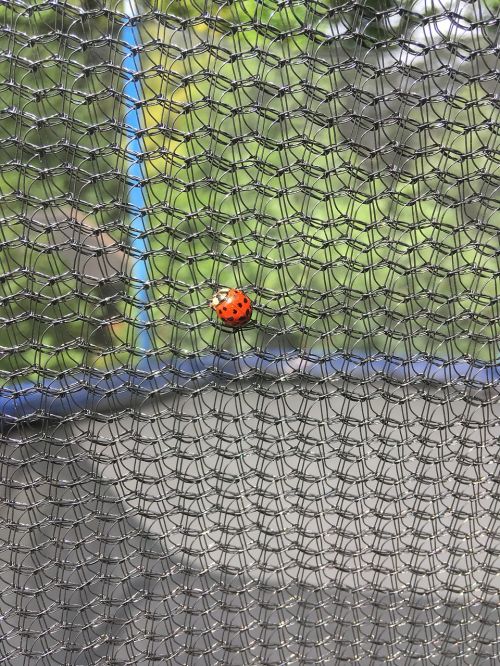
column 218, row 297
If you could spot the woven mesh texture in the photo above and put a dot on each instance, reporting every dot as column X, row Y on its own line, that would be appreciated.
column 319, row 486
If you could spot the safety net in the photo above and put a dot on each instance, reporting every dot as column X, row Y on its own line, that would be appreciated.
column 318, row 485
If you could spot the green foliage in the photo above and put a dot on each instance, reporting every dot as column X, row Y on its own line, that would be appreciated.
column 260, row 189
column 48, row 101
column 270, row 164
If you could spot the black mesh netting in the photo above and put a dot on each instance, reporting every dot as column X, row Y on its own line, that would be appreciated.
column 321, row 485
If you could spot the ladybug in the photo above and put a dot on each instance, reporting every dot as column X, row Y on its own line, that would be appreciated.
column 233, row 307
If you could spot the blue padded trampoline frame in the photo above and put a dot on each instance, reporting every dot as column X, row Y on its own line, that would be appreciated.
column 136, row 202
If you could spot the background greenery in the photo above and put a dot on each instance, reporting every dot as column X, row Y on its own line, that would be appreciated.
column 321, row 157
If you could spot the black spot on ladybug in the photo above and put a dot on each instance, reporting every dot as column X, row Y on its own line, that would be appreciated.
column 230, row 318
column 245, row 300
column 235, row 311
column 224, row 308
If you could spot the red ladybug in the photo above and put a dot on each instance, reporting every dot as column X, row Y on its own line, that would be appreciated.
column 232, row 306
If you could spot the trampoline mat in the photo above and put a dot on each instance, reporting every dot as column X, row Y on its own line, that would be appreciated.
column 258, row 524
